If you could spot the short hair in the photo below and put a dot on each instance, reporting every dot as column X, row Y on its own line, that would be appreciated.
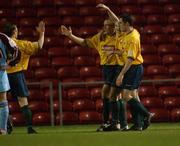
column 127, row 18
column 8, row 29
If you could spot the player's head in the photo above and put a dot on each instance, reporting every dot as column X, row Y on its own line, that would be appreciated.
column 11, row 30
column 108, row 26
column 125, row 22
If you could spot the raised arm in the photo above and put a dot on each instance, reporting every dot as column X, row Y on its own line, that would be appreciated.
column 68, row 32
column 111, row 14
column 41, row 30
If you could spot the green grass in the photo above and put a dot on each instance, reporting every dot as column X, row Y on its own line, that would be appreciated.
column 84, row 135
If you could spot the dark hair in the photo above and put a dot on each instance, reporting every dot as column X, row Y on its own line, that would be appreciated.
column 127, row 18
column 8, row 29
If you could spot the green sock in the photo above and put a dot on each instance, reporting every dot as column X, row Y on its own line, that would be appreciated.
column 138, row 107
column 106, row 110
column 122, row 113
column 115, row 111
column 27, row 114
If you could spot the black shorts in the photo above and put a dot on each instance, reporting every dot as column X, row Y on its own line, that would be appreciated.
column 110, row 74
column 133, row 77
column 18, row 85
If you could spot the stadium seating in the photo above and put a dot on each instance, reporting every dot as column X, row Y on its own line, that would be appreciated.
column 35, row 106
column 68, row 118
column 90, row 117
column 175, row 115
column 152, row 102
column 78, row 93
column 172, row 102
column 99, row 105
column 83, row 105
column 18, row 119
column 161, row 115
column 41, row 118
column 66, row 106
column 14, row 106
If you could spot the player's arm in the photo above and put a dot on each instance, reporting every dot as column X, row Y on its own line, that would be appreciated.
column 68, row 32
column 126, row 67
column 41, row 30
column 111, row 14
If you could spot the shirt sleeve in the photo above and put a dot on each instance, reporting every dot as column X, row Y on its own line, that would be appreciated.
column 133, row 49
column 29, row 48
column 92, row 42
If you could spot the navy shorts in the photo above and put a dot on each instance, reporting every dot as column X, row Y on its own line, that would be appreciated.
column 133, row 77
column 18, row 85
column 110, row 74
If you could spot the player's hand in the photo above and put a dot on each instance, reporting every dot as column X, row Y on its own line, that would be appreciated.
column 119, row 79
column 65, row 31
column 41, row 27
column 102, row 7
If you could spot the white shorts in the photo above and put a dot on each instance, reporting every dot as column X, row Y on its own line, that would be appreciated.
column 4, row 82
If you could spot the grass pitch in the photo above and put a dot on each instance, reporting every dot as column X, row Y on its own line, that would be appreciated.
column 164, row 134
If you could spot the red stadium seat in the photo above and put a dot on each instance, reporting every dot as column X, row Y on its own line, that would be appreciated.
column 35, row 94
column 107, row 2
column 139, row 20
column 85, row 2
column 83, row 104
column 131, row 9
column 39, row 62
column 93, row 21
column 52, row 21
column 147, row 91
column 95, row 93
column 171, row 9
column 88, row 31
column 171, row 59
column 152, row 29
column 26, row 32
column 88, row 11
column 127, row 2
column 99, row 105
column 174, row 69
column 6, row 13
column 84, row 61
column 168, row 91
column 5, row 4
column 26, row 12
column 80, row 51
column 66, row 106
column 58, row 51
column 172, row 29
column 18, row 119
column 67, row 11
column 176, row 39
column 73, row 21
column 148, row 49
column 69, row 43
column 175, row 115
column 20, row 3
column 152, row 102
column 68, row 118
column 63, row 61
column 175, row 18
column 64, row 2
column 55, row 93
column 93, row 79
column 90, row 117
column 44, row 12
column 45, row 73
column 52, row 29
column 67, row 72
column 151, row 59
column 75, row 79
column 90, row 72
column 145, row 39
column 156, row 70
column 152, row 9
column 160, row 39
column 52, row 41
column 14, row 106
column 35, row 106
column 45, row 83
column 145, row 2
column 172, row 102
column 41, row 3
column 95, row 53
column 29, row 73
column 167, row 49
column 168, row 1
column 28, row 22
column 41, row 118
column 156, row 19
column 78, row 93
column 161, row 115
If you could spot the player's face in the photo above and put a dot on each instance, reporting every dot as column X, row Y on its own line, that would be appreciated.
column 122, row 25
column 15, row 32
column 108, row 26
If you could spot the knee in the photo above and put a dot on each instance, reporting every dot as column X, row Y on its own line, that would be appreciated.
column 22, row 101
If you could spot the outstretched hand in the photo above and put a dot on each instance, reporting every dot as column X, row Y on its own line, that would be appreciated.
column 41, row 27
column 65, row 31
column 102, row 6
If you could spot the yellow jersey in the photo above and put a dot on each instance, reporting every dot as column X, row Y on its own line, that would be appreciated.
column 129, row 43
column 105, row 48
column 27, row 49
